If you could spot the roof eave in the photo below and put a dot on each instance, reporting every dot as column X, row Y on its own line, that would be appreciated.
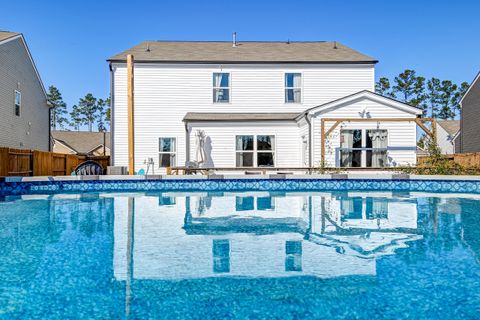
column 468, row 90
column 241, row 62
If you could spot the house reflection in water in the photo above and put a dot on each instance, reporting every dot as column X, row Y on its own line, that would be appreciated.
column 258, row 234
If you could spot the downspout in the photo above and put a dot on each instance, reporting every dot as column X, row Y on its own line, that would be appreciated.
column 50, row 146
column 111, row 116
column 310, row 145
column 187, row 143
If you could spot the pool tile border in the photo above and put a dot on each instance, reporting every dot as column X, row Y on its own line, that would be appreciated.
column 331, row 182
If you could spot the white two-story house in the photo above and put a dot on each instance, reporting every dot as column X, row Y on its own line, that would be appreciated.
column 257, row 104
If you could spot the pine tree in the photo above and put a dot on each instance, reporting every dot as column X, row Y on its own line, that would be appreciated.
column 462, row 89
column 76, row 119
column 410, row 88
column 447, row 96
column 434, row 88
column 59, row 108
column 101, row 114
column 383, row 87
column 88, row 107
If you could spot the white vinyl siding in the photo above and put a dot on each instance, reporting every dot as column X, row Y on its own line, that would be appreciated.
column 221, row 137
column 401, row 135
column 165, row 93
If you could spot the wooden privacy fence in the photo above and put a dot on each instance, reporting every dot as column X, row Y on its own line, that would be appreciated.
column 467, row 160
column 18, row 162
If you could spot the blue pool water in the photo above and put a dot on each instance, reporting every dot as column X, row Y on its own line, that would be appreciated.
column 256, row 255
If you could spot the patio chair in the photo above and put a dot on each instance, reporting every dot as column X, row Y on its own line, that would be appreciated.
column 88, row 168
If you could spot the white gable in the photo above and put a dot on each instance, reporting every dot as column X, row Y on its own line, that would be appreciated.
column 365, row 104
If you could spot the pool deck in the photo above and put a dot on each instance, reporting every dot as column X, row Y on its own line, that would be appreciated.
column 332, row 176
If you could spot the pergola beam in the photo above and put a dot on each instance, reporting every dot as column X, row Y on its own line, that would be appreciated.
column 130, row 112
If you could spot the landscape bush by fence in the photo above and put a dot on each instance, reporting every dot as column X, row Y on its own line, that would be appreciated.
column 466, row 160
column 19, row 162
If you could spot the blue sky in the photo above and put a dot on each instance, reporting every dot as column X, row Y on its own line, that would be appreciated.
column 70, row 40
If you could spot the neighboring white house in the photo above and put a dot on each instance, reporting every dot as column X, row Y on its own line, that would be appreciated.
column 24, row 109
column 257, row 104
column 448, row 134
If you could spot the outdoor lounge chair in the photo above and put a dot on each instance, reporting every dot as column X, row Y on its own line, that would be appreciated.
column 88, row 168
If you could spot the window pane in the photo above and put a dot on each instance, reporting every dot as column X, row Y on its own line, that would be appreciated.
column 293, row 80
column 221, row 80
column 244, row 159
column 293, row 256
column 18, row 98
column 166, row 201
column 265, row 159
column 265, row 142
column 293, row 95
column 166, row 160
column 265, row 203
column 221, row 95
column 378, row 140
column 166, row 145
column 244, row 203
column 244, row 143
column 221, row 256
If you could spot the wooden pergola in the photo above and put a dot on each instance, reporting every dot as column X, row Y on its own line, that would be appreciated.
column 337, row 121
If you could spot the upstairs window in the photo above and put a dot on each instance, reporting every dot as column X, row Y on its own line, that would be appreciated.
column 293, row 87
column 221, row 87
column 18, row 103
column 167, row 152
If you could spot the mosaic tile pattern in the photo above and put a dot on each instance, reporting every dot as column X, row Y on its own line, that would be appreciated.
column 51, row 187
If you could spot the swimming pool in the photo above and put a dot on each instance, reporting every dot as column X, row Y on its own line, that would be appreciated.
column 239, row 253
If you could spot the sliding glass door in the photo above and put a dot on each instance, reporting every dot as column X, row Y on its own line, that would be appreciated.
column 363, row 148
column 350, row 148
column 376, row 142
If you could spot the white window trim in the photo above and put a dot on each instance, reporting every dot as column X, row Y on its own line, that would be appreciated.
column 229, row 89
column 15, row 103
column 174, row 152
column 285, row 88
column 255, row 150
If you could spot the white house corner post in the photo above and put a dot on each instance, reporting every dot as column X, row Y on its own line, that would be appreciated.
column 130, row 97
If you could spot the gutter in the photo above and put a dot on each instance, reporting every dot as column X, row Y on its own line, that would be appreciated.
column 187, row 143
column 241, row 62
column 50, row 138
column 310, row 145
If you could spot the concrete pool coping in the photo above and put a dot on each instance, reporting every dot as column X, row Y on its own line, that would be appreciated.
column 333, row 176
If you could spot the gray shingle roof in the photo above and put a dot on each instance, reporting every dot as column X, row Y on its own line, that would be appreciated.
column 82, row 141
column 244, row 52
column 451, row 126
column 7, row 34
column 205, row 116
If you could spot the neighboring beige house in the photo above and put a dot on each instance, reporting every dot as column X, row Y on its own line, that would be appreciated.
column 82, row 142
column 24, row 109
column 448, row 133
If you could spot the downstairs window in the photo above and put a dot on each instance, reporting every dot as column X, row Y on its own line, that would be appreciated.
column 255, row 151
